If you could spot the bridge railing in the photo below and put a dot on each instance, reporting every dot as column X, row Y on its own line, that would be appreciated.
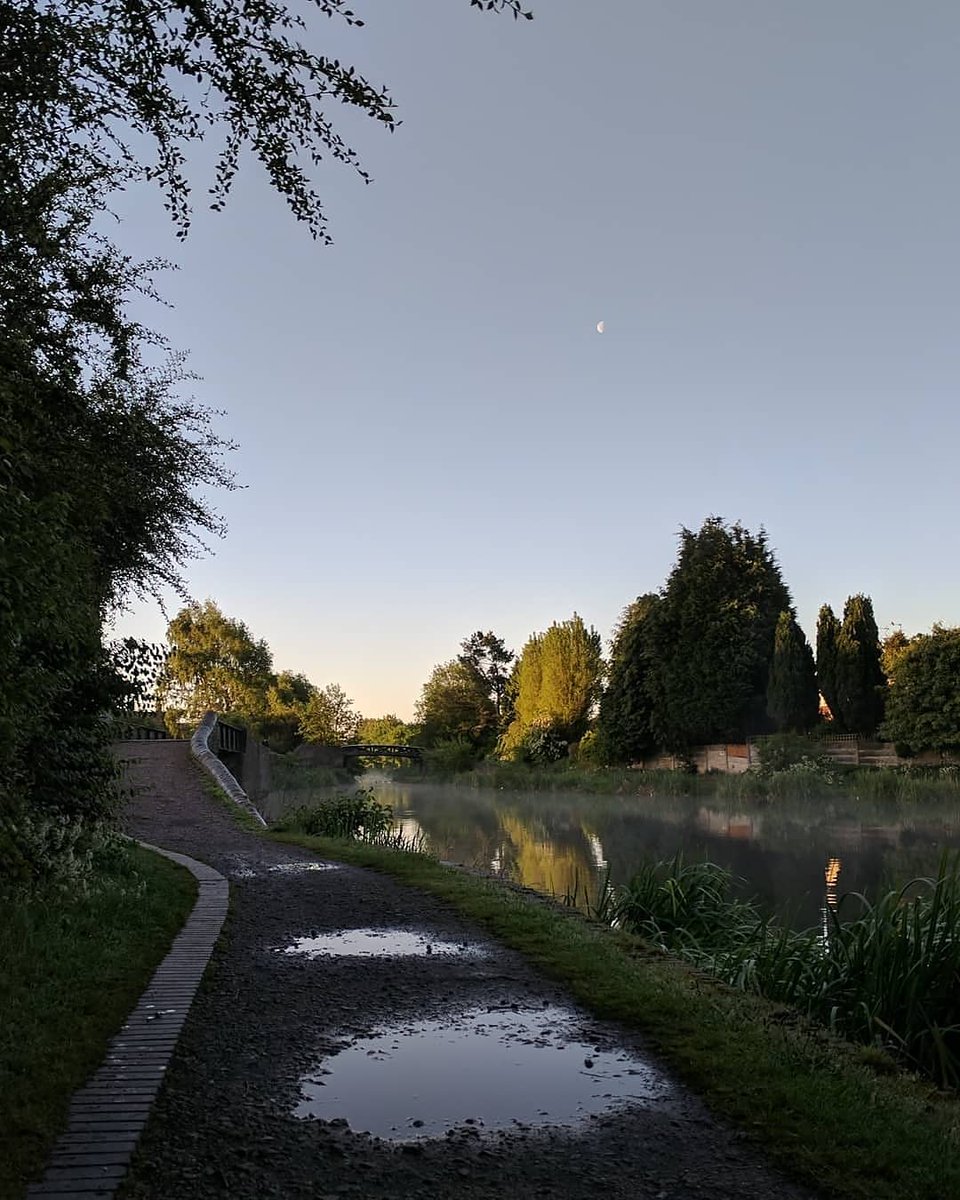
column 386, row 751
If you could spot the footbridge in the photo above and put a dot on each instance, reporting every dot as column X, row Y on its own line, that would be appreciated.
column 369, row 750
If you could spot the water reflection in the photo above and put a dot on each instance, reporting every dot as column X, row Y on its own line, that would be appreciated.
column 377, row 943
column 480, row 1069
column 789, row 853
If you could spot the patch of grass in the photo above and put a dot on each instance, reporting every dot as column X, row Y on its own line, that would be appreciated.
column 75, row 962
column 824, row 1110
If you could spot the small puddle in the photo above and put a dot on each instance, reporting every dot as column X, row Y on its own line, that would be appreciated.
column 483, row 1070
column 293, row 867
column 379, row 943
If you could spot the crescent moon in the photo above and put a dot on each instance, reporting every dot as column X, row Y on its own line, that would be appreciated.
column 600, row 327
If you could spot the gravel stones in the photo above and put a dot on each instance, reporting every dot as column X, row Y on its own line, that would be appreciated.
column 222, row 1124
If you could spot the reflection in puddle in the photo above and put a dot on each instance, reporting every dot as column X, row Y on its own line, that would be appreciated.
column 291, row 867
column 486, row 1070
column 378, row 943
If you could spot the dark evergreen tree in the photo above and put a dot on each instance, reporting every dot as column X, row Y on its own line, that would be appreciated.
column 623, row 727
column 828, row 629
column 710, row 637
column 792, row 694
column 861, row 683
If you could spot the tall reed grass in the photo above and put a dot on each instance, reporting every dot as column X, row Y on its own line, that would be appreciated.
column 883, row 973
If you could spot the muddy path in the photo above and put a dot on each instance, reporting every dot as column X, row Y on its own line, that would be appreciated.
column 427, row 1061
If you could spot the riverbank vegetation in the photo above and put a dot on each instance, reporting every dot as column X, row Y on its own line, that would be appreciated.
column 883, row 973
column 76, row 958
column 807, row 773
column 840, row 1118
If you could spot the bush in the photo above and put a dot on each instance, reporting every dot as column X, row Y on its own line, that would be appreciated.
column 453, row 754
column 359, row 816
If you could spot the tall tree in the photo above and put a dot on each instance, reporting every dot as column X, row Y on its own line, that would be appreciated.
column 923, row 706
column 488, row 655
column 623, row 726
column 828, row 630
column 792, row 693
column 861, row 683
column 559, row 678
column 454, row 704
column 329, row 717
column 710, row 637
column 214, row 663
column 285, row 702
column 892, row 649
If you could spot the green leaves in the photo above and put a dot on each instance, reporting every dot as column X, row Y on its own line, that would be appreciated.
column 710, row 638
column 923, row 706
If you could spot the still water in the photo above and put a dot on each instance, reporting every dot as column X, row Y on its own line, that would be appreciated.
column 795, row 856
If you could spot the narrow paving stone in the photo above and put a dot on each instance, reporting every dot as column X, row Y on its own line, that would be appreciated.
column 108, row 1114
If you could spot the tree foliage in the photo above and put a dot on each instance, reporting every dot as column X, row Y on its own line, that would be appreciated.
column 139, row 666
column 488, row 655
column 849, row 668
column 285, row 701
column 792, row 693
column 558, row 681
column 97, row 83
column 454, row 703
column 624, row 725
column 923, row 705
column 214, row 664
column 387, row 730
column 828, row 630
column 861, row 683
column 329, row 717
column 711, row 637
column 103, row 463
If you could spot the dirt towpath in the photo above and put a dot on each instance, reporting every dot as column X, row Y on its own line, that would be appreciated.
column 225, row 1125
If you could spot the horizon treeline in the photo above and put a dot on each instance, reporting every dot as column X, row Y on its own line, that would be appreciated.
column 716, row 655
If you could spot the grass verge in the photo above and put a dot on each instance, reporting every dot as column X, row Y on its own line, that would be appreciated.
column 74, row 964
column 836, row 1117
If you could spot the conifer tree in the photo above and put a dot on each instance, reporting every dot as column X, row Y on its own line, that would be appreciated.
column 710, row 637
column 623, row 727
column 828, row 629
column 861, row 683
column 792, row 697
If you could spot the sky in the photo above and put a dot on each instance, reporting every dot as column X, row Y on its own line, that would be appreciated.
column 758, row 198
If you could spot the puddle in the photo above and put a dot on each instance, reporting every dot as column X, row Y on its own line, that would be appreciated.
column 485, row 1070
column 293, row 867
column 379, row 943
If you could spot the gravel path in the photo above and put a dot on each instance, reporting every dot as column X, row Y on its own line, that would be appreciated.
column 223, row 1124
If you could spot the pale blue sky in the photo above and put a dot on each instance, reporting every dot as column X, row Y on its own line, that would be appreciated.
column 759, row 199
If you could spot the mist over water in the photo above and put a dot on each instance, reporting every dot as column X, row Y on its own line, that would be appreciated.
column 795, row 856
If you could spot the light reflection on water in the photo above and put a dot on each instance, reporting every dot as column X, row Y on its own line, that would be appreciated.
column 480, row 1069
column 564, row 843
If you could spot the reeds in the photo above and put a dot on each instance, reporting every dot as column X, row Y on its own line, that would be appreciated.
column 888, row 976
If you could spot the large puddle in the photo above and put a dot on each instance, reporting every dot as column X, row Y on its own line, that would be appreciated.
column 378, row 943
column 486, row 1070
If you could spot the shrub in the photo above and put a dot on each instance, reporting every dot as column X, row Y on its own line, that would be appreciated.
column 359, row 816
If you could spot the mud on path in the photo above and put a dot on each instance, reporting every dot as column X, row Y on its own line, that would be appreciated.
column 273, row 1012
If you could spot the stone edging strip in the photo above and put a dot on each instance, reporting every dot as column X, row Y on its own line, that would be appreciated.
column 215, row 768
column 108, row 1113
